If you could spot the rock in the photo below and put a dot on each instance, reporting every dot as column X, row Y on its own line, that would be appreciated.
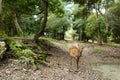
column 8, row 72
column 66, row 69
column 25, row 70
column 2, row 43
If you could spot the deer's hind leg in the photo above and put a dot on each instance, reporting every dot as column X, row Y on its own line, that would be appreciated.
column 77, row 61
column 71, row 60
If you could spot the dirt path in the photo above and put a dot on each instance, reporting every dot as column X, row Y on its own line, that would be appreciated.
column 97, row 63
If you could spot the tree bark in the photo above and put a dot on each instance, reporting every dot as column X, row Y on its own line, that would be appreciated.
column 41, row 32
column 17, row 26
column 79, row 35
column 0, row 6
column 55, row 34
column 106, row 20
column 99, row 40
column 63, row 33
column 1, row 25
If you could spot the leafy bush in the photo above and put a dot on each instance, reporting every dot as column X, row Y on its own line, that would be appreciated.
column 25, row 54
column 16, row 45
column 2, row 33
column 16, row 49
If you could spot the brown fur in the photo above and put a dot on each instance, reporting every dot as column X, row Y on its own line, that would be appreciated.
column 76, row 53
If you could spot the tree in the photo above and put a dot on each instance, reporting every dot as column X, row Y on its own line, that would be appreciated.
column 14, row 9
column 41, row 32
column 99, row 39
column 55, row 7
column 106, row 19
column 82, row 12
column 0, row 13
column 0, row 6
column 114, row 19
column 17, row 26
column 79, row 22
column 92, row 28
column 56, row 26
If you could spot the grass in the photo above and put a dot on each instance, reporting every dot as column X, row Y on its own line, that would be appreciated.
column 113, row 44
column 98, row 49
column 107, row 63
column 54, row 40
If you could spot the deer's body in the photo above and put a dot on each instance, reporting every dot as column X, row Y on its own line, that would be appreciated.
column 76, row 52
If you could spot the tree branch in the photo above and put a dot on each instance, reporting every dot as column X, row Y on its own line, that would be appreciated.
column 100, row 12
column 28, row 13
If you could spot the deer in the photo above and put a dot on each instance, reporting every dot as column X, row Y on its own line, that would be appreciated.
column 76, row 52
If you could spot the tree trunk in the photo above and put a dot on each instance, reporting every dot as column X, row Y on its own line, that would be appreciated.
column 99, row 35
column 0, row 13
column 79, row 35
column 99, row 40
column 54, row 34
column 0, row 6
column 1, row 23
column 17, row 26
column 41, row 32
column 61, row 36
column 63, row 33
column 106, row 21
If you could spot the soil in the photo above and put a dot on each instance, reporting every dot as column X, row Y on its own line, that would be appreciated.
column 96, row 63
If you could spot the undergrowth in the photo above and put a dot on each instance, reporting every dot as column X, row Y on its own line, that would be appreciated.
column 26, row 54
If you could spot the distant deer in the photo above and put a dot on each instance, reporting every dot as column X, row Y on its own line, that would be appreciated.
column 76, row 52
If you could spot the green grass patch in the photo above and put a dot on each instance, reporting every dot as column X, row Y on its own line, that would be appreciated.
column 113, row 44
column 98, row 49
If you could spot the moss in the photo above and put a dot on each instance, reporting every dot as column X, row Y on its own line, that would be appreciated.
column 30, row 53
column 2, row 34
column 1, row 48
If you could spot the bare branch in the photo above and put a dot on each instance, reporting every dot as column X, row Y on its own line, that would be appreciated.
column 100, row 12
column 28, row 13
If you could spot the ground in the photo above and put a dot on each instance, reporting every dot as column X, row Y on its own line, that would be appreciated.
column 96, row 63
